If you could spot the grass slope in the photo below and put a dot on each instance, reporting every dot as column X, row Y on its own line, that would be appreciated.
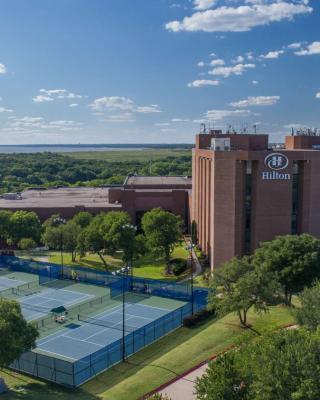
column 130, row 155
column 156, row 364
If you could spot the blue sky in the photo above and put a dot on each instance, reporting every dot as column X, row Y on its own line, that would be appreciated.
column 148, row 71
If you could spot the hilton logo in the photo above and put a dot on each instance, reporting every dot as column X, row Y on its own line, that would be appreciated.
column 276, row 162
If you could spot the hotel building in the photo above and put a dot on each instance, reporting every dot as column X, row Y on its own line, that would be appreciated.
column 245, row 192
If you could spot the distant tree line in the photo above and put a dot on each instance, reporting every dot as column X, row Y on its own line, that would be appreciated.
column 21, row 171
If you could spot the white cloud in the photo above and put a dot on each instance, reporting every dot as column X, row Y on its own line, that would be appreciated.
column 5, row 110
column 117, row 103
column 153, row 108
column 73, row 105
column 168, row 130
column 311, row 49
column 203, row 82
column 112, row 103
column 3, row 69
column 273, row 54
column 256, row 101
column 204, row 4
column 250, row 55
column 24, row 123
column 241, row 18
column 124, row 117
column 201, row 64
column 47, row 95
column 162, row 124
column 218, row 61
column 42, row 99
column 179, row 120
column 318, row 95
column 254, row 82
column 217, row 115
column 295, row 45
column 239, row 59
column 238, row 69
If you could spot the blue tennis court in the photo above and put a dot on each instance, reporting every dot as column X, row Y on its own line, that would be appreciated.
column 9, row 283
column 93, row 334
column 40, row 304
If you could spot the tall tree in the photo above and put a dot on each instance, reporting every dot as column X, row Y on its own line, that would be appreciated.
column 294, row 259
column 309, row 312
column 83, row 219
column 92, row 239
column 237, row 287
column 162, row 231
column 16, row 334
column 24, row 224
column 5, row 217
column 62, row 237
column 282, row 365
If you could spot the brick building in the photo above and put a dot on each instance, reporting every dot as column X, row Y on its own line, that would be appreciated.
column 245, row 192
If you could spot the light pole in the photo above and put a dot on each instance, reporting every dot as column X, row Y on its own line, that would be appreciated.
column 59, row 222
column 131, row 231
column 190, row 248
column 123, row 272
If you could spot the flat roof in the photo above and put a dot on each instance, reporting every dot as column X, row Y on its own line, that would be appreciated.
column 158, row 180
column 61, row 197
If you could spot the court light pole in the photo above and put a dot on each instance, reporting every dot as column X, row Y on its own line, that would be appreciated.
column 190, row 248
column 123, row 272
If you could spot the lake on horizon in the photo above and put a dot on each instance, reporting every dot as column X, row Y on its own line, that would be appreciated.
column 7, row 149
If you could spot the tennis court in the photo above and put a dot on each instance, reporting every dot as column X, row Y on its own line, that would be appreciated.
column 38, row 305
column 90, row 334
column 9, row 283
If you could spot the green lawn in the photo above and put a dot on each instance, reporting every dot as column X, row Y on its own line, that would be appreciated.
column 147, row 266
column 157, row 363
column 130, row 155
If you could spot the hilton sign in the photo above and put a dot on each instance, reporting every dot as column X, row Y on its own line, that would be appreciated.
column 276, row 162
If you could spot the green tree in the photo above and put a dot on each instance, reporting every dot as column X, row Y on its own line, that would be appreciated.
column 92, row 239
column 194, row 232
column 62, row 237
column 222, row 380
column 309, row 312
column 24, row 224
column 27, row 244
column 5, row 217
column 237, row 287
column 83, row 219
column 16, row 334
column 282, row 365
column 162, row 230
column 294, row 259
column 115, row 233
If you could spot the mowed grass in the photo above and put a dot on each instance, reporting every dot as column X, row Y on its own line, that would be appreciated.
column 130, row 155
column 147, row 266
column 157, row 363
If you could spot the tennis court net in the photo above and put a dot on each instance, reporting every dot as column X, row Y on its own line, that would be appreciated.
column 105, row 324
column 20, row 290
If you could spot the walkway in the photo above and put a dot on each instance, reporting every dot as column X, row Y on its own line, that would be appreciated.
column 183, row 388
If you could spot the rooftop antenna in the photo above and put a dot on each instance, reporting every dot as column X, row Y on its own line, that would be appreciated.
column 203, row 128
column 254, row 128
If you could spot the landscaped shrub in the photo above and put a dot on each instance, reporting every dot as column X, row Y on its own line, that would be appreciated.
column 198, row 317
column 178, row 266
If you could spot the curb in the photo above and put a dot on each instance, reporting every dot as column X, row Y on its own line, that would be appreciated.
column 211, row 358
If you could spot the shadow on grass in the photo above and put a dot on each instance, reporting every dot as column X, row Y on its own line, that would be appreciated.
column 145, row 358
column 24, row 387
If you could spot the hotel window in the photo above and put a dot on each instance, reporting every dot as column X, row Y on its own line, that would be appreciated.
column 248, row 206
column 295, row 198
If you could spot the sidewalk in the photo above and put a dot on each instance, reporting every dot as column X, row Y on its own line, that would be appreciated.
column 183, row 388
